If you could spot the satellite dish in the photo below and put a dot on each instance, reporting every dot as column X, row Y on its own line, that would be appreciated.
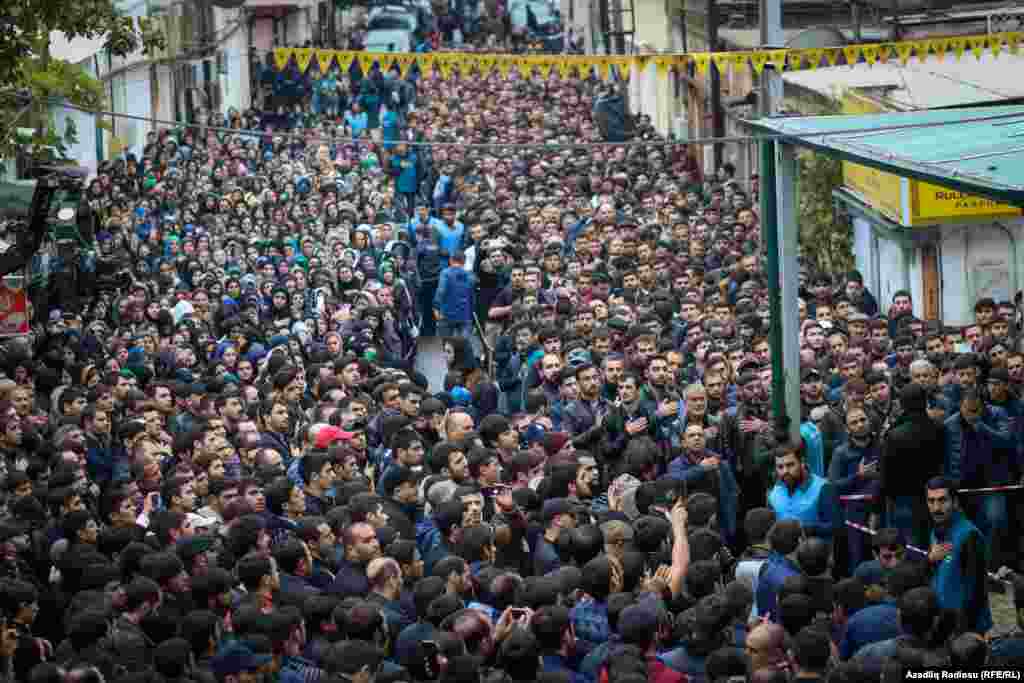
column 821, row 36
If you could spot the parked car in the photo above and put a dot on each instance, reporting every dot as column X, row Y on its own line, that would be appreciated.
column 414, row 16
column 390, row 40
column 537, row 21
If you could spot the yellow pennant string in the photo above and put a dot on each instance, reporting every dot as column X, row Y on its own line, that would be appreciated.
column 281, row 57
column 958, row 45
column 903, row 52
column 813, row 57
column 758, row 59
column 852, row 53
column 995, row 44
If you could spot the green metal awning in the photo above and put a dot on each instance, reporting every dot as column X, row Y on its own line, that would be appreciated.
column 978, row 150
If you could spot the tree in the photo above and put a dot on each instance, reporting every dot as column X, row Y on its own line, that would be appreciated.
column 31, row 79
column 826, row 239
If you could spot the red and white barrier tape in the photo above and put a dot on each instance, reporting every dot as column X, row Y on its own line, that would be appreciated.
column 987, row 489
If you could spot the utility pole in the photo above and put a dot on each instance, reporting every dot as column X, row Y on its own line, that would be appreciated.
column 714, row 80
column 778, row 211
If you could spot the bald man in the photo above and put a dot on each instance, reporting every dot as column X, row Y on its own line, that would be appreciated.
column 765, row 647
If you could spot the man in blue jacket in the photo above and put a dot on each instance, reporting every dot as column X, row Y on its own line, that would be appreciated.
column 783, row 539
column 455, row 300
column 404, row 168
column 981, row 453
column 697, row 465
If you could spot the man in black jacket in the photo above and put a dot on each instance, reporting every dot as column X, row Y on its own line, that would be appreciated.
column 913, row 453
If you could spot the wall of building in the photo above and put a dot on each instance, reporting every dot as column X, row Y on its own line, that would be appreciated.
column 978, row 261
column 975, row 261
column 131, row 95
column 235, row 76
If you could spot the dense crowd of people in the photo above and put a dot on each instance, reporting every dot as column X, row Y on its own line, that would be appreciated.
column 233, row 471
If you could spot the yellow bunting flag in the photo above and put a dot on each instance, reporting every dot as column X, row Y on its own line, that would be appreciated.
column 303, row 56
column 739, row 60
column 444, row 65
column 722, row 61
column 281, row 57
column 758, row 59
column 938, row 47
column 870, row 53
column 995, row 44
column 813, row 56
column 622, row 65
column 795, row 60
column 921, row 49
column 832, row 55
column 852, row 53
column 426, row 63
column 903, row 52
column 1013, row 42
column 366, row 62
column 324, row 59
column 978, row 45
column 778, row 58
column 958, row 45
column 701, row 59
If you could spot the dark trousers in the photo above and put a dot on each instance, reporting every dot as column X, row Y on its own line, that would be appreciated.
column 425, row 298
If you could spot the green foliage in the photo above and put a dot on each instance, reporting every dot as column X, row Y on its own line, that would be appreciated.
column 27, row 69
column 826, row 238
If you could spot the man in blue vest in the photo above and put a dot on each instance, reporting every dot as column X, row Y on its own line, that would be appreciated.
column 801, row 495
column 957, row 555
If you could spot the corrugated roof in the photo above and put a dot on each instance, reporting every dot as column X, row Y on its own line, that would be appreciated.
column 978, row 150
column 933, row 84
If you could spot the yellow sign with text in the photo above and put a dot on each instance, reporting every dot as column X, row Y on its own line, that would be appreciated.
column 883, row 191
column 936, row 204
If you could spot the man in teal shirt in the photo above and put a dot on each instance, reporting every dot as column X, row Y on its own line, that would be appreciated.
column 957, row 555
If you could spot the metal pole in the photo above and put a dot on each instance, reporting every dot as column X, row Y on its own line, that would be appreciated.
column 770, row 229
column 778, row 218
column 771, row 37
column 787, row 225
column 332, row 25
